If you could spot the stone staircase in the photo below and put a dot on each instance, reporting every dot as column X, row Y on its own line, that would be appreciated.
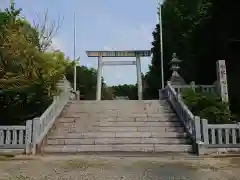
column 117, row 126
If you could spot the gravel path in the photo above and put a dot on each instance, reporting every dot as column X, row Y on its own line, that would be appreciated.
column 116, row 168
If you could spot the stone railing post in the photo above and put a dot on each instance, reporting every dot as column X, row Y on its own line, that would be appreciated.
column 205, row 131
column 197, row 122
column 193, row 85
column 198, row 144
column 78, row 95
column 36, row 128
column 28, row 136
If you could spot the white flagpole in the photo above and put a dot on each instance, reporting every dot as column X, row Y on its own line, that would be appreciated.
column 74, row 54
column 160, row 2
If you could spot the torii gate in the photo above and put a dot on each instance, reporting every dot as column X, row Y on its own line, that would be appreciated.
column 127, row 53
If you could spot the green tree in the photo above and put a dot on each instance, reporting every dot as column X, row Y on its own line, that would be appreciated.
column 128, row 90
column 86, row 82
column 208, row 106
column 200, row 32
column 179, row 19
column 28, row 76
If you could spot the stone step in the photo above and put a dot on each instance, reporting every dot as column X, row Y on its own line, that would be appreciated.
column 117, row 148
column 144, row 119
column 122, row 124
column 157, row 101
column 133, row 104
column 123, row 104
column 114, row 104
column 118, row 107
column 81, row 141
column 73, row 118
column 118, row 115
column 121, row 129
column 144, row 115
column 117, row 110
column 117, row 134
column 138, row 124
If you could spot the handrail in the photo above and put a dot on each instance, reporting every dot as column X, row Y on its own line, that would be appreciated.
column 204, row 88
column 44, row 123
column 190, row 122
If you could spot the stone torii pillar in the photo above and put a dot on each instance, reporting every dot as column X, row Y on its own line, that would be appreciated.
column 139, row 77
column 99, row 79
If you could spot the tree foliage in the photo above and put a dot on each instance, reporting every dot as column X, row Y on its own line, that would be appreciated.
column 125, row 90
column 87, row 82
column 28, row 75
column 200, row 32
column 208, row 106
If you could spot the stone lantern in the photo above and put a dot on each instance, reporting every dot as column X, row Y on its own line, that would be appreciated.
column 176, row 79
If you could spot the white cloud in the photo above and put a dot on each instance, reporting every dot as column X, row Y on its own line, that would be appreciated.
column 127, row 37
column 57, row 44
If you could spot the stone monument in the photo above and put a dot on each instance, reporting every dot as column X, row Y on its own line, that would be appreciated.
column 222, row 86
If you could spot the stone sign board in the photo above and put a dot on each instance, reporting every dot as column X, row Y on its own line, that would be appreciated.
column 222, row 80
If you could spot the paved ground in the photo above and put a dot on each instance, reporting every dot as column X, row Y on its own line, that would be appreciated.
column 116, row 168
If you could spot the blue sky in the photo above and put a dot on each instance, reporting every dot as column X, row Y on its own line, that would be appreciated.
column 101, row 25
